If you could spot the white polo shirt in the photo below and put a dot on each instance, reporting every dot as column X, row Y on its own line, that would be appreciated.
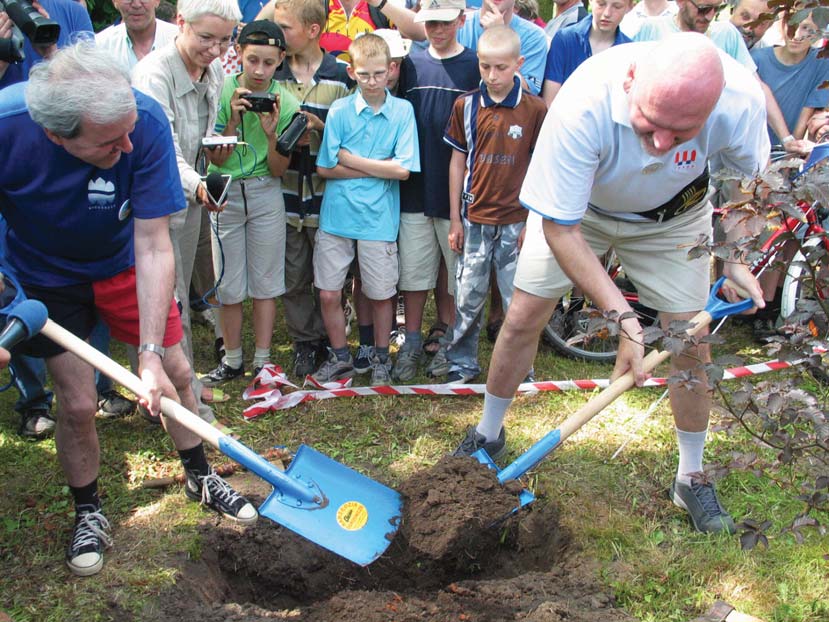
column 115, row 39
column 587, row 151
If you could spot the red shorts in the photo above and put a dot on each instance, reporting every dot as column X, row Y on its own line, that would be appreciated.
column 79, row 307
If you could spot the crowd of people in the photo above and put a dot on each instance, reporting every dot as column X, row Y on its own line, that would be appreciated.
column 453, row 149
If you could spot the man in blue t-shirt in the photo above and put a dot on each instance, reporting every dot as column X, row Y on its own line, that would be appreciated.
column 87, row 188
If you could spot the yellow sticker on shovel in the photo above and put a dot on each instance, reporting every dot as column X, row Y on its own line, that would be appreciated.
column 352, row 515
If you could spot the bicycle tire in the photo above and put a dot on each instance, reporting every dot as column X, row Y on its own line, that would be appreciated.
column 798, row 285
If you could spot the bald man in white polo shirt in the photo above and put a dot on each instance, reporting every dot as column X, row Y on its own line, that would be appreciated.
column 621, row 162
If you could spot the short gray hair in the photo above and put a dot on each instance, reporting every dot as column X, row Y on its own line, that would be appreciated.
column 78, row 82
column 191, row 10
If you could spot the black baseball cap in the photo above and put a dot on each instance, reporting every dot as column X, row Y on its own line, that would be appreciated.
column 262, row 32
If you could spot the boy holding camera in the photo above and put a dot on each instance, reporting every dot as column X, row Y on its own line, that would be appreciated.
column 249, row 234
column 317, row 80
column 369, row 145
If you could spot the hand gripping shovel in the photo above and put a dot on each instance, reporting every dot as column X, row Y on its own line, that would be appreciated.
column 317, row 497
column 716, row 308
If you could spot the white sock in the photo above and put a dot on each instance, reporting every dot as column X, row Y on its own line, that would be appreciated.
column 217, row 325
column 261, row 356
column 691, row 447
column 495, row 409
column 233, row 358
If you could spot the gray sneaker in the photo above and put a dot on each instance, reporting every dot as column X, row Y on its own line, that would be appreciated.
column 112, row 404
column 334, row 369
column 36, row 423
column 475, row 440
column 408, row 359
column 699, row 499
column 380, row 372
column 439, row 365
column 362, row 362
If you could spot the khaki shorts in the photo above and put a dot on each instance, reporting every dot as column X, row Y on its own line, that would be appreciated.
column 377, row 260
column 653, row 255
column 421, row 242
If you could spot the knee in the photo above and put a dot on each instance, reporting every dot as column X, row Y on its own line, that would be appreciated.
column 78, row 411
column 329, row 297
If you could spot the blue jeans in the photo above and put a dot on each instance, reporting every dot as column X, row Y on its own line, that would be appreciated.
column 484, row 247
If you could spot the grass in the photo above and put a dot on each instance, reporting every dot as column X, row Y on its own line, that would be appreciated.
column 615, row 509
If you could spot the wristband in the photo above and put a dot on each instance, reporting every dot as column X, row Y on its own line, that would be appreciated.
column 152, row 347
column 787, row 139
column 381, row 5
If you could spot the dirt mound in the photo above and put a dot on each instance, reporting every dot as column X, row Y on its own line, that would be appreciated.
column 461, row 554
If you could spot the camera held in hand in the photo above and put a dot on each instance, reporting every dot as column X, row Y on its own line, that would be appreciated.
column 261, row 101
column 290, row 136
column 39, row 30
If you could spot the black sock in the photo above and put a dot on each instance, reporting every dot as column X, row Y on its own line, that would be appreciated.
column 194, row 460
column 366, row 334
column 342, row 353
column 86, row 495
column 382, row 353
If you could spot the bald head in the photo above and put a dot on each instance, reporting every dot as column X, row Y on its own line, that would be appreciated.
column 674, row 89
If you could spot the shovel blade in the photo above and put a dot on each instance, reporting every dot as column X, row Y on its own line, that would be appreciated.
column 357, row 517
column 525, row 497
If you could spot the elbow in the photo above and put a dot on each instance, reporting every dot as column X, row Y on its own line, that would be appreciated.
column 324, row 172
column 403, row 175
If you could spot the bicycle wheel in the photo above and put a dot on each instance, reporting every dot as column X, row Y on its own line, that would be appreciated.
column 576, row 331
column 800, row 292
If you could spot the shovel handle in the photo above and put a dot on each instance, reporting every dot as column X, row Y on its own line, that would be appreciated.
column 178, row 413
column 714, row 309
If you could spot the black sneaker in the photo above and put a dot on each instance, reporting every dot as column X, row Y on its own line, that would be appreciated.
column 112, row 404
column 699, row 499
column 362, row 362
column 305, row 359
column 36, row 423
column 459, row 376
column 85, row 555
column 214, row 492
column 475, row 440
column 223, row 373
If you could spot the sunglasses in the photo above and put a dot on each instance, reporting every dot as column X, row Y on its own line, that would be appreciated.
column 707, row 9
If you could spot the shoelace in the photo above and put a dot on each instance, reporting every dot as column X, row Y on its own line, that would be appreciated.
column 222, row 490
column 707, row 498
column 90, row 528
column 364, row 352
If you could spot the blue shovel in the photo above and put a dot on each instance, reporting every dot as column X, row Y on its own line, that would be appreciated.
column 715, row 309
column 316, row 497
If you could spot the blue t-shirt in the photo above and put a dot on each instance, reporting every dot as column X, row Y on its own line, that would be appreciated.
column 533, row 46
column 74, row 25
column 795, row 87
column 571, row 47
column 366, row 208
column 69, row 221
column 432, row 85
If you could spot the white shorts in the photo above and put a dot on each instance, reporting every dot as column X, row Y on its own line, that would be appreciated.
column 653, row 255
column 422, row 241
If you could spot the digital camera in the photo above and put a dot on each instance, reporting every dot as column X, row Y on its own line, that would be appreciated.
column 261, row 101
column 290, row 135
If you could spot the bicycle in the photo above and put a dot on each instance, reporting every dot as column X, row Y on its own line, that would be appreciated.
column 578, row 330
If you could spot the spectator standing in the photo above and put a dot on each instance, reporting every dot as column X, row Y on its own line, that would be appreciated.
column 644, row 9
column 567, row 13
column 317, row 80
column 249, row 234
column 369, row 144
column 492, row 132
column 186, row 78
column 138, row 34
column 433, row 78
column 745, row 16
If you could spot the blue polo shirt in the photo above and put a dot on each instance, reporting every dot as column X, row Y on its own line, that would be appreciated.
column 571, row 47
column 71, row 222
column 74, row 25
column 366, row 208
column 533, row 45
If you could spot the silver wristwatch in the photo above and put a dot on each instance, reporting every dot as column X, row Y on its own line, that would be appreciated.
column 152, row 347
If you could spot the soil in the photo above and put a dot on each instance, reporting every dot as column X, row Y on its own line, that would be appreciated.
column 461, row 554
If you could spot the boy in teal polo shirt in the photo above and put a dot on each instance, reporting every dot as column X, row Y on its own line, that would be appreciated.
column 249, row 234
column 368, row 146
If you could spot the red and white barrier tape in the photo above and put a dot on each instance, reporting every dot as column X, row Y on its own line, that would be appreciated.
column 267, row 387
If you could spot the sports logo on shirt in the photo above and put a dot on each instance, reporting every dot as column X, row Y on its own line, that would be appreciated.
column 101, row 192
column 685, row 159
column 515, row 132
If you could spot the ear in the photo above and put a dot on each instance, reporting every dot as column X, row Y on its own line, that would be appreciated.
column 314, row 31
column 350, row 71
column 631, row 74
column 520, row 62
column 54, row 137
column 180, row 22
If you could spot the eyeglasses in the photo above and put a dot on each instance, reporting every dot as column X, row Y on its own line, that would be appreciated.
column 806, row 32
column 707, row 9
column 208, row 41
column 363, row 76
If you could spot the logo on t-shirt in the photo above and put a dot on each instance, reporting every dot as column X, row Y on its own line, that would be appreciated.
column 685, row 159
column 515, row 132
column 101, row 192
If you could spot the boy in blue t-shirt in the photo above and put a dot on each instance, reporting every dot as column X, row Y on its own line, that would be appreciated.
column 368, row 145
